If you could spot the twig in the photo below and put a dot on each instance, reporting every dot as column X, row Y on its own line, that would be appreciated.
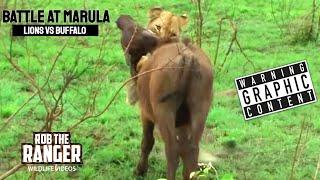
column 317, row 169
column 54, row 63
column 218, row 41
column 304, row 142
column 245, row 55
column 33, row 175
column 296, row 151
column 289, row 8
column 27, row 76
column 95, row 94
column 11, row 171
column 215, row 170
column 101, row 49
column 235, row 39
column 275, row 19
column 32, row 81
column 57, row 109
column 283, row 8
column 226, row 56
column 18, row 110
column 88, row 115
column 85, row 4
column 313, row 14
column 200, row 24
column 318, row 31
column 51, row 92
column 131, row 39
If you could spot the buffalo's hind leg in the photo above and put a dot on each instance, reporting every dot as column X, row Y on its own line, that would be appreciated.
column 199, row 100
column 188, row 150
column 166, row 123
column 146, row 147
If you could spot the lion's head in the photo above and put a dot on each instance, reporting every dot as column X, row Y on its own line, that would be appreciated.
column 165, row 24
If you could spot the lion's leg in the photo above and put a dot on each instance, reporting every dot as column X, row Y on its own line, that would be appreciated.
column 142, row 61
column 132, row 94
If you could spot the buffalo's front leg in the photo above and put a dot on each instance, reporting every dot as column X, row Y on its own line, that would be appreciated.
column 146, row 146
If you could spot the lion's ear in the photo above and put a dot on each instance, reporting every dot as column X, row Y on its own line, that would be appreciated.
column 155, row 12
column 183, row 20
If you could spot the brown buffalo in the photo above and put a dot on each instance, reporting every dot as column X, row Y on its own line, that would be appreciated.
column 141, row 40
column 176, row 96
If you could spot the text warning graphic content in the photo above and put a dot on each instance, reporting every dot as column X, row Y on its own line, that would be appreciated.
column 275, row 90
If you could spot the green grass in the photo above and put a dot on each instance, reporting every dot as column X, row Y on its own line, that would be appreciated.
column 111, row 142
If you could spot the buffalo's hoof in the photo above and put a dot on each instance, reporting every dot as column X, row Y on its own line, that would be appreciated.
column 141, row 170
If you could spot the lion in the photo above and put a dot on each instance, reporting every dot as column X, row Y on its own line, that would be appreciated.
column 165, row 24
column 132, row 94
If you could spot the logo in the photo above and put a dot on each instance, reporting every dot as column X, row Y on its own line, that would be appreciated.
column 275, row 90
column 55, row 22
column 51, row 148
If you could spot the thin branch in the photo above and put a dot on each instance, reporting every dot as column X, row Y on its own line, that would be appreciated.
column 131, row 39
column 226, row 56
column 27, row 76
column 200, row 23
column 32, row 82
column 245, row 55
column 235, row 39
column 304, row 142
column 101, row 49
column 275, row 19
column 296, row 151
column 317, row 169
column 218, row 41
column 18, row 110
column 11, row 171
column 51, row 92
column 318, row 30
column 88, row 115
column 33, row 175
column 313, row 15
column 95, row 93
column 54, row 63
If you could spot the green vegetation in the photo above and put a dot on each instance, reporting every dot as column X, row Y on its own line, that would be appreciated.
column 111, row 142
